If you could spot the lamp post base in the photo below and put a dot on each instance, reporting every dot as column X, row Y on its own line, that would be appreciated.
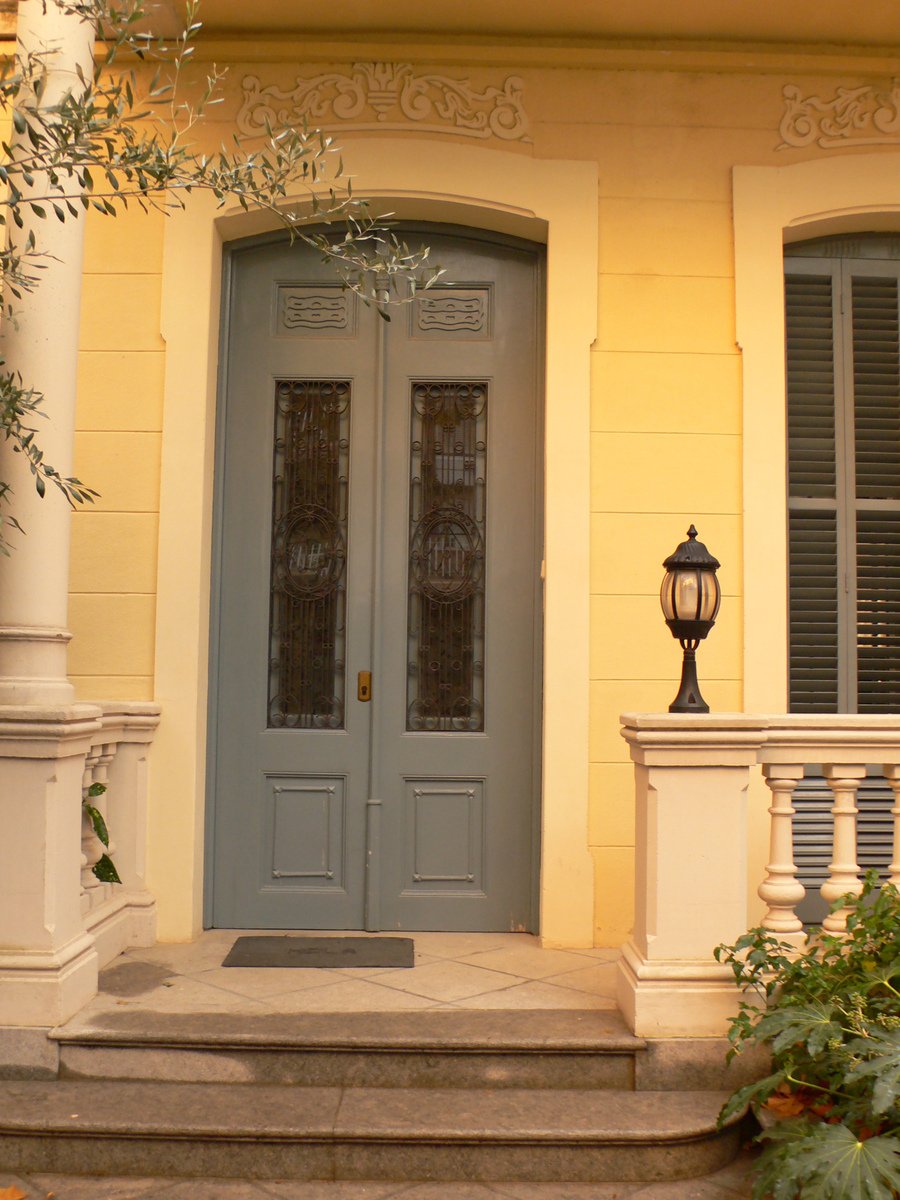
column 689, row 699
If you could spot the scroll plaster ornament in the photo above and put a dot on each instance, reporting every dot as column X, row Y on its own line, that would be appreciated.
column 862, row 116
column 388, row 96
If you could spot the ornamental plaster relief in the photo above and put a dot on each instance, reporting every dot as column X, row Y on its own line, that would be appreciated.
column 390, row 97
column 862, row 116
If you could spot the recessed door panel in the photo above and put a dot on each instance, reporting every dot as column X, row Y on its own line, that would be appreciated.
column 376, row 659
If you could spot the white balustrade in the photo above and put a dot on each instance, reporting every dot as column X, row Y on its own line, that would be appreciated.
column 696, row 834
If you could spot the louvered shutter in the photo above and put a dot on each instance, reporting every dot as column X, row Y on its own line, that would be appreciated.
column 842, row 318
column 812, row 531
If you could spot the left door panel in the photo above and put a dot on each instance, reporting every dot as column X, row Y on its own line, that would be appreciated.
column 299, row 405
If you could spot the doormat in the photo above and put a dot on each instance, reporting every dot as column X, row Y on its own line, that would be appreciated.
column 289, row 951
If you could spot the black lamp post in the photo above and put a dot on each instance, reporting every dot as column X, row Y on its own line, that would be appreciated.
column 690, row 596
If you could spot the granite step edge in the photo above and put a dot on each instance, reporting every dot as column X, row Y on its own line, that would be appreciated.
column 206, row 1112
column 582, row 1031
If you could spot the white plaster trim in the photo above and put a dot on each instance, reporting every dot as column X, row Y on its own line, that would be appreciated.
column 774, row 205
column 475, row 185
column 124, row 921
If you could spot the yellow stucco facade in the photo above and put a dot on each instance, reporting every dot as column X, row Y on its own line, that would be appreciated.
column 662, row 195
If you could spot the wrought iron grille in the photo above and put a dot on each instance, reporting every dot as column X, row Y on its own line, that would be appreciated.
column 307, row 628
column 445, row 628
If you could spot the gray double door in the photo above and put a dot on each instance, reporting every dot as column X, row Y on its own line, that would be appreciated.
column 376, row 653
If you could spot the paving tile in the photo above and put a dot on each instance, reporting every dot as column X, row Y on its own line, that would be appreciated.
column 92, row 1187
column 566, row 1191
column 537, row 994
column 599, row 980
column 457, row 945
column 28, row 1187
column 349, row 995
column 263, row 982
column 447, row 981
column 526, row 962
column 339, row 1189
column 213, row 1189
column 183, row 994
column 449, row 1191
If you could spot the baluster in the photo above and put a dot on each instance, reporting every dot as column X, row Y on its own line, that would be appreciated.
column 781, row 890
column 843, row 869
column 105, row 755
column 91, row 846
column 892, row 775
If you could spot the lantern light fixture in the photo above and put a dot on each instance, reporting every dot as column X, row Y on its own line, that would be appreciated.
column 690, row 596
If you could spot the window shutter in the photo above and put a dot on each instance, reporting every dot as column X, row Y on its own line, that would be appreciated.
column 813, row 612
column 810, row 385
column 812, row 532
column 876, row 387
column 842, row 326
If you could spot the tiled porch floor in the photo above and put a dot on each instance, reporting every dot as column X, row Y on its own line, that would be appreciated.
column 452, row 970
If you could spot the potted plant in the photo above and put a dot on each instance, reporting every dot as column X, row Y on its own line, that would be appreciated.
column 830, row 1019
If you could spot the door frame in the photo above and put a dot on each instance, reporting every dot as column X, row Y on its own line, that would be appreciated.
column 421, row 178
column 274, row 237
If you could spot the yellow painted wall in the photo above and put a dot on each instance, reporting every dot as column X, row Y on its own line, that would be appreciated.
column 117, row 452
column 666, row 416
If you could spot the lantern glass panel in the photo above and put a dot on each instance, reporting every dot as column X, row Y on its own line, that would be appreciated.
column 710, row 595
column 687, row 595
column 667, row 595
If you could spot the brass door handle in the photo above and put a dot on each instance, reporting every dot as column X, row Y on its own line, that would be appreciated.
column 364, row 686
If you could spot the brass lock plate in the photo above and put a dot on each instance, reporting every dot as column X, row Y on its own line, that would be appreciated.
column 364, row 686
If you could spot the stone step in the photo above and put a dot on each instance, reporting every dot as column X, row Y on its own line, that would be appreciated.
column 259, row 1132
column 445, row 1049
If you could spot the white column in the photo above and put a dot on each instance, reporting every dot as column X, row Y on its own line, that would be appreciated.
column 691, row 779
column 43, row 346
column 48, row 964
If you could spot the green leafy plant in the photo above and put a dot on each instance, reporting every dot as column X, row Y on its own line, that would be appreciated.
column 127, row 133
column 104, row 868
column 830, row 1018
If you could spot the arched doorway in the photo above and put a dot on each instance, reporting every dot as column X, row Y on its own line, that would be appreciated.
column 376, row 712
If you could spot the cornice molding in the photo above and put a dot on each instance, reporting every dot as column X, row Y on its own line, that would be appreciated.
column 388, row 96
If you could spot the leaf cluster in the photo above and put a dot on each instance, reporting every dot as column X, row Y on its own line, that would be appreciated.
column 125, row 133
column 104, row 868
column 830, row 1019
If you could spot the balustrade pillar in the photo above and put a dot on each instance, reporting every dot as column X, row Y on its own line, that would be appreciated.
column 843, row 870
column 691, row 888
column 781, row 890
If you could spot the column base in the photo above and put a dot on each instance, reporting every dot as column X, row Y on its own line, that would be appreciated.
column 33, row 666
column 41, row 988
column 676, row 997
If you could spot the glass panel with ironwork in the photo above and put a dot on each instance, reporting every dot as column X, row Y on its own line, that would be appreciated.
column 448, row 461
column 307, row 629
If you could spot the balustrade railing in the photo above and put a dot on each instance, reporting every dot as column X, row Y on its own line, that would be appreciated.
column 118, row 915
column 843, row 747
column 700, row 828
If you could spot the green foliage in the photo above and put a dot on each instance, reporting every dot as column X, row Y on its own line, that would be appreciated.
column 104, row 868
column 819, row 1161
column 830, row 1017
column 127, row 134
